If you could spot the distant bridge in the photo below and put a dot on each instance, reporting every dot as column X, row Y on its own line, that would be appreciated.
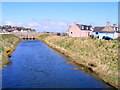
column 28, row 35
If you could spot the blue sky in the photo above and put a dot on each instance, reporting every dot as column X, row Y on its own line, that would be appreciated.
column 57, row 16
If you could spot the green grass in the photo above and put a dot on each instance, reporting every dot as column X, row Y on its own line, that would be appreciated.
column 7, row 36
column 103, row 49
column 44, row 36
column 5, row 60
column 101, row 52
column 8, row 41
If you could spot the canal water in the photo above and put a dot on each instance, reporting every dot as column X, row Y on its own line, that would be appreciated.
column 35, row 65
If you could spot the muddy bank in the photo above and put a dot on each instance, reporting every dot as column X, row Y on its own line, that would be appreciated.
column 98, row 55
column 8, row 43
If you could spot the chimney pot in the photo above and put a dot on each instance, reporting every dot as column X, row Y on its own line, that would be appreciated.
column 107, row 23
column 74, row 23
column 114, row 25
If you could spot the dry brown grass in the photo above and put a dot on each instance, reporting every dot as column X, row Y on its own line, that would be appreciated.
column 7, row 42
column 100, row 55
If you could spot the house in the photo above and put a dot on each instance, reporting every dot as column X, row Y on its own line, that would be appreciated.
column 1, row 30
column 79, row 30
column 106, row 31
column 119, row 27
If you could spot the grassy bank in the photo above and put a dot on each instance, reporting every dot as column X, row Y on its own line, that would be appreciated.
column 8, row 42
column 101, row 56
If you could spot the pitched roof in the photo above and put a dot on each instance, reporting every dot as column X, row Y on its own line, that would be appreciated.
column 119, row 25
column 68, row 28
column 80, row 26
column 98, row 29
column 107, row 31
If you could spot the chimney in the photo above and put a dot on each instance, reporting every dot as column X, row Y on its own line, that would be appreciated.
column 114, row 25
column 74, row 23
column 108, row 24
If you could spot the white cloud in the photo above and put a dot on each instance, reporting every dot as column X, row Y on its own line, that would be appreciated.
column 50, row 26
column 33, row 24
column 62, row 24
column 12, row 23
column 19, row 23
column 8, row 23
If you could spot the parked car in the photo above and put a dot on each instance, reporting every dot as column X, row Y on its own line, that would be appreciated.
column 107, row 38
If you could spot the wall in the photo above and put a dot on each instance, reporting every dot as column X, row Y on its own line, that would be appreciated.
column 77, row 32
column 111, row 35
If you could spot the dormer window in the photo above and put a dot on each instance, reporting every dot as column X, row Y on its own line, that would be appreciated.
column 82, row 27
column 87, row 28
column 91, row 28
column 117, row 28
column 96, row 32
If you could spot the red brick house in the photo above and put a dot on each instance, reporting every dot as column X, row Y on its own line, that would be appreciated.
column 79, row 30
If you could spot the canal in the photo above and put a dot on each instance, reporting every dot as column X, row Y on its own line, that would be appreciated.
column 35, row 65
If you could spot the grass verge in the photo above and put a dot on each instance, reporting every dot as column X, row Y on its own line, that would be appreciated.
column 101, row 56
column 7, row 42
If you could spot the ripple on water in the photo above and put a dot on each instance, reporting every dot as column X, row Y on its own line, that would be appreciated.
column 35, row 65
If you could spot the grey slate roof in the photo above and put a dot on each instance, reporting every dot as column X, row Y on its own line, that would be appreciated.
column 119, row 26
column 80, row 26
column 98, row 29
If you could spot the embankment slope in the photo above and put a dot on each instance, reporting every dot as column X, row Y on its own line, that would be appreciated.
column 101, row 56
column 7, row 42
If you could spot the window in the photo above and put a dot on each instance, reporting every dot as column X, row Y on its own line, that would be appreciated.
column 82, row 27
column 116, row 28
column 71, row 32
column 91, row 28
column 87, row 28
column 96, row 32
